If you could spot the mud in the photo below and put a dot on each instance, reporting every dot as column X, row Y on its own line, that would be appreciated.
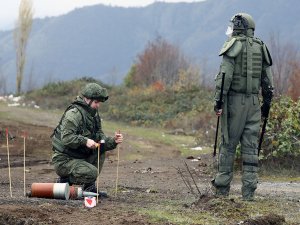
column 145, row 184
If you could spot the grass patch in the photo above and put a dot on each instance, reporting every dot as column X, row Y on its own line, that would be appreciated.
column 222, row 211
column 177, row 215
column 151, row 134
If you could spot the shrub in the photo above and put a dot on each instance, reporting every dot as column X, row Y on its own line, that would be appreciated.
column 283, row 130
column 59, row 94
column 160, row 106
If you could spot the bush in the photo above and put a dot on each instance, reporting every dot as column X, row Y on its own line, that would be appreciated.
column 165, row 107
column 59, row 94
column 283, row 130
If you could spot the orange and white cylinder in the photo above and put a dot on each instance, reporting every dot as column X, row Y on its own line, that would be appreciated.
column 50, row 190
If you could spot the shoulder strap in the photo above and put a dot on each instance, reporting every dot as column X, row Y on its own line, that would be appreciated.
column 80, row 109
column 71, row 106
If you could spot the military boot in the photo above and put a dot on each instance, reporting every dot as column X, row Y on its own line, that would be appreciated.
column 248, row 195
column 63, row 180
column 92, row 188
column 220, row 191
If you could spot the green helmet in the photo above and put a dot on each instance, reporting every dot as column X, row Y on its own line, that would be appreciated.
column 95, row 92
column 242, row 21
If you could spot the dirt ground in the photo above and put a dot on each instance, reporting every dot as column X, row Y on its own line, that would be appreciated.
column 151, row 191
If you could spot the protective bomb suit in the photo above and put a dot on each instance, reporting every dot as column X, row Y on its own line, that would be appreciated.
column 73, row 161
column 246, row 63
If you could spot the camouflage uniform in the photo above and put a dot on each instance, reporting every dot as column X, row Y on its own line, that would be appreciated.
column 246, row 63
column 73, row 161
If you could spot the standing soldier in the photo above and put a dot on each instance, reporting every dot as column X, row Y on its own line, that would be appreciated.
column 76, row 138
column 247, row 67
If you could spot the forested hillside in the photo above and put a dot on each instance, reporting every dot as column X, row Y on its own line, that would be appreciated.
column 103, row 42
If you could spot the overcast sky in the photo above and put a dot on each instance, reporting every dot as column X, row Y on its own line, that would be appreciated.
column 43, row 8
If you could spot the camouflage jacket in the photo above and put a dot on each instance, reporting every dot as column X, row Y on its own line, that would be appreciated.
column 78, row 124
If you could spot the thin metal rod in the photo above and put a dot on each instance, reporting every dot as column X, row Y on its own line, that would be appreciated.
column 186, row 181
column 262, row 134
column 192, row 177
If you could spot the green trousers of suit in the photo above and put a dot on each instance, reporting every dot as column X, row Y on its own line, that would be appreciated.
column 243, row 125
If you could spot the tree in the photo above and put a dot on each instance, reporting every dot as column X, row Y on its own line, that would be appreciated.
column 284, row 56
column 21, row 35
column 129, row 78
column 294, row 82
column 160, row 62
column 31, row 83
column 3, row 88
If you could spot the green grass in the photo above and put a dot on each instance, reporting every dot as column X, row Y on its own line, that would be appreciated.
column 182, row 218
column 221, row 211
column 180, row 142
column 172, row 211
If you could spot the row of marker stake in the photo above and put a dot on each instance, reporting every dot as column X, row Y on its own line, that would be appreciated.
column 8, row 161
column 24, row 155
column 118, row 161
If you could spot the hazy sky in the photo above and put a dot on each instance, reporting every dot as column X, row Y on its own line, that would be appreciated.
column 43, row 8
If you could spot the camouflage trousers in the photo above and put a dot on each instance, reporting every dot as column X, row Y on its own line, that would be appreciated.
column 78, row 171
column 243, row 120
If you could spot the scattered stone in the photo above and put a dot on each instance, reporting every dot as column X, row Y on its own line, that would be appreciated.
column 195, row 160
column 197, row 148
column 202, row 164
column 151, row 191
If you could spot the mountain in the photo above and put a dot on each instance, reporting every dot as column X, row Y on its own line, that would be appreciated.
column 103, row 41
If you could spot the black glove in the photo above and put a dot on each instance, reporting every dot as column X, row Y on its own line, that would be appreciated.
column 265, row 108
column 218, row 105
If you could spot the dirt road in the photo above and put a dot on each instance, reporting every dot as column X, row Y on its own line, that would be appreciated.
column 151, row 190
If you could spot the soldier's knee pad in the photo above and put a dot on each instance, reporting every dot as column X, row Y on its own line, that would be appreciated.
column 250, row 159
column 226, row 160
column 222, row 180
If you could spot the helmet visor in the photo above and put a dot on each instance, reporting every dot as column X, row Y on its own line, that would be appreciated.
column 229, row 30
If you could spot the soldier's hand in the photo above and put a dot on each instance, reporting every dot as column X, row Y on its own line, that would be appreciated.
column 118, row 137
column 219, row 112
column 218, row 108
column 91, row 144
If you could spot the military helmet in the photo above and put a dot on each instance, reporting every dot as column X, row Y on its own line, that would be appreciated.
column 242, row 21
column 95, row 92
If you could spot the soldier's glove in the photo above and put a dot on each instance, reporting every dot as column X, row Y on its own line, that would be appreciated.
column 265, row 108
column 218, row 105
